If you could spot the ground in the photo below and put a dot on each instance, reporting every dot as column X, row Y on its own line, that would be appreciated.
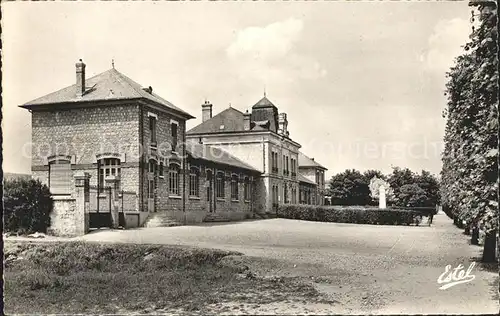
column 357, row 268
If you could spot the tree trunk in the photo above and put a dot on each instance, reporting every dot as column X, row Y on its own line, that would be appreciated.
column 489, row 249
column 475, row 236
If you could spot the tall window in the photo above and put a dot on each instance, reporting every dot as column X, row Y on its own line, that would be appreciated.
column 246, row 189
column 173, row 179
column 152, row 129
column 287, row 170
column 194, row 182
column 160, row 170
column 219, row 185
column 173, row 129
column 284, row 165
column 234, row 187
column 285, row 193
column 108, row 167
column 60, row 177
column 209, row 187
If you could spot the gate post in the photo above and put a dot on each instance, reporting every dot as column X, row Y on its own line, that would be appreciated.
column 82, row 203
column 112, row 182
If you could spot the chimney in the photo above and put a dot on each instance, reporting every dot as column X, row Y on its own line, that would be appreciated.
column 206, row 111
column 246, row 120
column 80, row 78
column 282, row 124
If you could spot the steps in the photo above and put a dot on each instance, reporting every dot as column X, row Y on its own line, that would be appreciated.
column 215, row 217
column 160, row 219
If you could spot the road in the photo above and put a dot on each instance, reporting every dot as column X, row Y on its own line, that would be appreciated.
column 366, row 268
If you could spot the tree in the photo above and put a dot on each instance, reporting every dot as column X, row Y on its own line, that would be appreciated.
column 400, row 177
column 411, row 195
column 429, row 183
column 370, row 174
column 469, row 177
column 349, row 188
column 27, row 206
column 374, row 186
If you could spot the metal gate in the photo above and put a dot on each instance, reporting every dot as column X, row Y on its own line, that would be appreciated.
column 99, row 207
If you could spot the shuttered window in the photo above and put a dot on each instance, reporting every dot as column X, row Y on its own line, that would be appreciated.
column 60, row 177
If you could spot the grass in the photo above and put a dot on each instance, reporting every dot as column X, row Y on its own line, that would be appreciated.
column 77, row 277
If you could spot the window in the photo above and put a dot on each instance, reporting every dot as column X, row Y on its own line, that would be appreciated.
column 152, row 130
column 160, row 171
column 287, row 170
column 152, row 166
column 173, row 179
column 246, row 189
column 60, row 177
column 173, row 128
column 219, row 185
column 285, row 194
column 108, row 167
column 209, row 187
column 194, row 182
column 284, row 165
column 234, row 187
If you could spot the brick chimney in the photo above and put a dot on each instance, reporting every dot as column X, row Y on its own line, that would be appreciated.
column 282, row 124
column 80, row 78
column 246, row 120
column 206, row 111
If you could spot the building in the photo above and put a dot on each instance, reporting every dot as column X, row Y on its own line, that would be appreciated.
column 133, row 145
column 315, row 173
column 261, row 139
column 109, row 125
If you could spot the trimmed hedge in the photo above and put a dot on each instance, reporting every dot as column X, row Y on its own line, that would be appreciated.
column 352, row 214
column 27, row 206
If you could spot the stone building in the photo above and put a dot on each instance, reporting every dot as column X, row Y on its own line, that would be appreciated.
column 261, row 139
column 110, row 126
column 315, row 173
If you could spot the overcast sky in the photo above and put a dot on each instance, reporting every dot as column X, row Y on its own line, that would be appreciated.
column 362, row 83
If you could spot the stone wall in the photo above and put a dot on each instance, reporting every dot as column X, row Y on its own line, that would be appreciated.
column 62, row 219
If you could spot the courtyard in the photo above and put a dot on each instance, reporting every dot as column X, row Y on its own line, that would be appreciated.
column 364, row 268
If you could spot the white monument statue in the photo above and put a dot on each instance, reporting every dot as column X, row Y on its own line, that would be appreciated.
column 381, row 197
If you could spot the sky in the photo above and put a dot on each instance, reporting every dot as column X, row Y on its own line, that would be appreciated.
column 362, row 83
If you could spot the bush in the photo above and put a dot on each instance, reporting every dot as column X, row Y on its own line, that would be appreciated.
column 354, row 215
column 27, row 206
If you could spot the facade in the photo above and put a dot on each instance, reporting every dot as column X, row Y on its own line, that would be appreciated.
column 261, row 139
column 109, row 143
column 315, row 173
column 109, row 125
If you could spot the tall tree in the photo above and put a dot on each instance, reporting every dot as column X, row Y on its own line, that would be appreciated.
column 349, row 188
column 429, row 183
column 469, row 178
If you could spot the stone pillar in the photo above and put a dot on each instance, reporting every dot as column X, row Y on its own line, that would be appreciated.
column 82, row 203
column 381, row 197
column 112, row 181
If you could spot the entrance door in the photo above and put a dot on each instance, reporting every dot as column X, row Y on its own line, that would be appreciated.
column 210, row 191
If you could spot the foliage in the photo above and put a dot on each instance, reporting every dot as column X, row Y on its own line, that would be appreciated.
column 469, row 177
column 411, row 195
column 370, row 174
column 375, row 184
column 430, row 185
column 352, row 187
column 349, row 188
column 27, row 206
column 355, row 215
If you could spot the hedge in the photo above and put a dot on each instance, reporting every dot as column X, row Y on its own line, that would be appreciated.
column 27, row 206
column 353, row 215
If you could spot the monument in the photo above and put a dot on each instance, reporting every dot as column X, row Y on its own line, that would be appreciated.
column 381, row 197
